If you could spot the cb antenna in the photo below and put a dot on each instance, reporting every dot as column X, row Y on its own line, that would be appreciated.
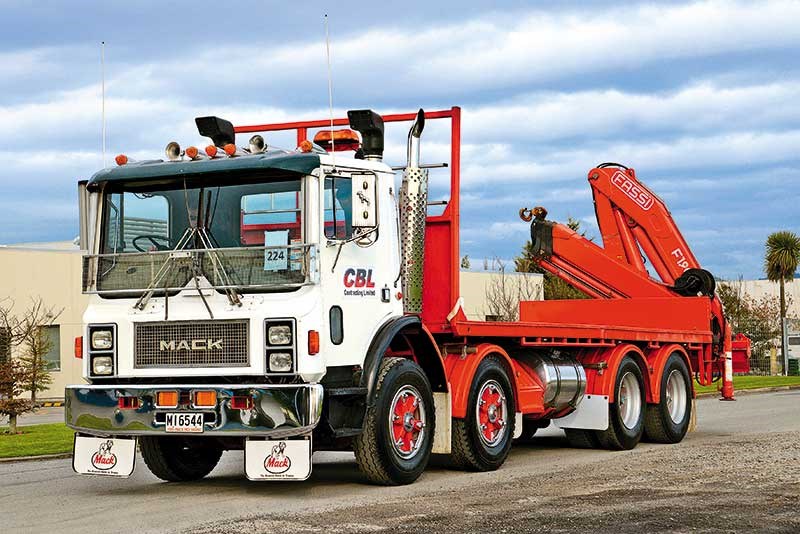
column 330, row 86
column 103, row 96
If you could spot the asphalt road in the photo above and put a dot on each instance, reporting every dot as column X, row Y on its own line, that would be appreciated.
column 740, row 470
column 39, row 417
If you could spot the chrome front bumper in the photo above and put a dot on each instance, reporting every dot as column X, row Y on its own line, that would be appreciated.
column 278, row 411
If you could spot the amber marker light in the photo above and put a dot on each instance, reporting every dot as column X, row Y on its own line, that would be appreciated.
column 205, row 399
column 211, row 150
column 230, row 149
column 191, row 152
column 305, row 146
column 313, row 342
column 167, row 399
column 122, row 159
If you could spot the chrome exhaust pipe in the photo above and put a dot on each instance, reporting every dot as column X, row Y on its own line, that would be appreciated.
column 413, row 211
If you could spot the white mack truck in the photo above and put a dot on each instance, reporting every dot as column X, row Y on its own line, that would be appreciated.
column 285, row 301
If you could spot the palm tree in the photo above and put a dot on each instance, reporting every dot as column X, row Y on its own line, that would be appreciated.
column 780, row 262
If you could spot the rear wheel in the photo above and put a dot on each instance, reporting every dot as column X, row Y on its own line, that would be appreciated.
column 481, row 441
column 582, row 439
column 626, row 413
column 178, row 458
column 396, row 442
column 668, row 421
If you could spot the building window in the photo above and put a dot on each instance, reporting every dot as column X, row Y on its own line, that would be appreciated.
column 5, row 345
column 53, row 357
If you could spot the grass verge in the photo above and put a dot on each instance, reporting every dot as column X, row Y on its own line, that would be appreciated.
column 36, row 440
column 753, row 382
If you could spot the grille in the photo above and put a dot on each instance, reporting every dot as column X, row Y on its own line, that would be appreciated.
column 191, row 344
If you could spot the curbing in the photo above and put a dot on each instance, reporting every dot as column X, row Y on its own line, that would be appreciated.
column 50, row 404
column 39, row 457
column 752, row 391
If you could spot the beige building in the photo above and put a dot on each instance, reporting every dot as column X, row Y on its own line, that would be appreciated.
column 52, row 271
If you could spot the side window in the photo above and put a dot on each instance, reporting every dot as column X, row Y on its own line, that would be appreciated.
column 338, row 207
column 137, row 223
column 5, row 344
column 275, row 211
column 52, row 336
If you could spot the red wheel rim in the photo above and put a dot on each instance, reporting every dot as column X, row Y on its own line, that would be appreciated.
column 492, row 413
column 407, row 421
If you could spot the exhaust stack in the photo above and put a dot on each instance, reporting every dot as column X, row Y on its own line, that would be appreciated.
column 413, row 211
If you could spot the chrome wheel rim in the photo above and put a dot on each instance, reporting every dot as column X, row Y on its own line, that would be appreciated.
column 491, row 413
column 629, row 400
column 407, row 422
column 676, row 395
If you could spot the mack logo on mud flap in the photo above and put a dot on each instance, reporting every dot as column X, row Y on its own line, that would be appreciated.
column 104, row 459
column 358, row 282
column 636, row 192
column 278, row 462
column 190, row 344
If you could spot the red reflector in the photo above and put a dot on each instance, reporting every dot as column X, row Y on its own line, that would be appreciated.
column 79, row 347
column 313, row 342
column 128, row 403
column 241, row 402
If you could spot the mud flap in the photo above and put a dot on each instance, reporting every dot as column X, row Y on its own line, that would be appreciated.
column 591, row 414
column 110, row 457
column 285, row 459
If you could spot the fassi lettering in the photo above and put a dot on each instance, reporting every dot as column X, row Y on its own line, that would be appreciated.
column 358, row 278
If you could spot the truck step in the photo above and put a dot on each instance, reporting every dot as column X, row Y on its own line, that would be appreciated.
column 347, row 391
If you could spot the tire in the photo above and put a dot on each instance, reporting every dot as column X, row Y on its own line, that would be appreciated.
column 178, row 459
column 626, row 413
column 395, row 444
column 668, row 421
column 529, row 429
column 582, row 439
column 482, row 440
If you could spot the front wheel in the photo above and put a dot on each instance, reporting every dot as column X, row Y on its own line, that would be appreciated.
column 178, row 459
column 482, row 440
column 395, row 444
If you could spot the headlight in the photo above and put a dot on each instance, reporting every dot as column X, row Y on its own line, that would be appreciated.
column 279, row 335
column 102, row 365
column 280, row 362
column 102, row 340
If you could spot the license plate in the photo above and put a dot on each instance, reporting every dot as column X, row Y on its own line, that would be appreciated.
column 284, row 459
column 184, row 422
column 110, row 457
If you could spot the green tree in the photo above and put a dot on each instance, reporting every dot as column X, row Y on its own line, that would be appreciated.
column 780, row 262
column 554, row 287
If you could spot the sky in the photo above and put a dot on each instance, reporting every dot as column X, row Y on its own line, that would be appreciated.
column 701, row 98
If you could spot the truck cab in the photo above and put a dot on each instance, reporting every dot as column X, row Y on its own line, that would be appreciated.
column 229, row 292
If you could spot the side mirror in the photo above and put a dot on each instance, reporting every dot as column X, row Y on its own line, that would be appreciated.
column 87, row 213
column 364, row 201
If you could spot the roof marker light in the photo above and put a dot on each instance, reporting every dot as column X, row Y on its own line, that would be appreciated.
column 211, row 150
column 305, row 146
column 192, row 152
column 257, row 144
column 230, row 149
column 122, row 159
column 173, row 151
column 338, row 140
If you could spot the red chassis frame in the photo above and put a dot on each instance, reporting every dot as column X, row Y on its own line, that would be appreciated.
column 648, row 322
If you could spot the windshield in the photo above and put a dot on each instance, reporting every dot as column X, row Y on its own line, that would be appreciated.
column 238, row 234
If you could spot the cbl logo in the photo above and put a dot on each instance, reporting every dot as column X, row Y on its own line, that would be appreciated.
column 358, row 278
